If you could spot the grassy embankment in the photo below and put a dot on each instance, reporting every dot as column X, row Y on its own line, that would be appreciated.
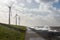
column 12, row 32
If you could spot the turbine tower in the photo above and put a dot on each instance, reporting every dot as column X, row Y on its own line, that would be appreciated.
column 19, row 20
column 10, row 6
column 16, row 18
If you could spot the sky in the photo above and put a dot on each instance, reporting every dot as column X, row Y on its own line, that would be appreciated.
column 31, row 12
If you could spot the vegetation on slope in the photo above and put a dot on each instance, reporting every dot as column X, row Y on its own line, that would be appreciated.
column 8, row 33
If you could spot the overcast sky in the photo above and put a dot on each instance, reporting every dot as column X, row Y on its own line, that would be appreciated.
column 31, row 12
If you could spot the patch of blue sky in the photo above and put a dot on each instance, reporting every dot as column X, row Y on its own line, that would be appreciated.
column 57, row 5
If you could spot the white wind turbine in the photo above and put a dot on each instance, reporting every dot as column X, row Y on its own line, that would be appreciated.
column 9, row 5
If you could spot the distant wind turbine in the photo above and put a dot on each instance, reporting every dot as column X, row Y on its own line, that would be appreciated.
column 16, row 18
column 19, row 20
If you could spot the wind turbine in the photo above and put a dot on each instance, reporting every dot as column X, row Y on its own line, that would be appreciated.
column 10, row 6
column 16, row 18
column 19, row 20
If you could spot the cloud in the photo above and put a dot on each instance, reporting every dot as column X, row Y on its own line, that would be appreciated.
column 29, row 1
column 45, row 7
column 4, row 11
column 32, row 13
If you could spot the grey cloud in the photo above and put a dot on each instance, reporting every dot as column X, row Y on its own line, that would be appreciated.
column 50, row 18
column 31, row 5
column 38, row 16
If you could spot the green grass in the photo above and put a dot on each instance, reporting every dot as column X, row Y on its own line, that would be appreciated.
column 20, row 27
column 11, row 34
